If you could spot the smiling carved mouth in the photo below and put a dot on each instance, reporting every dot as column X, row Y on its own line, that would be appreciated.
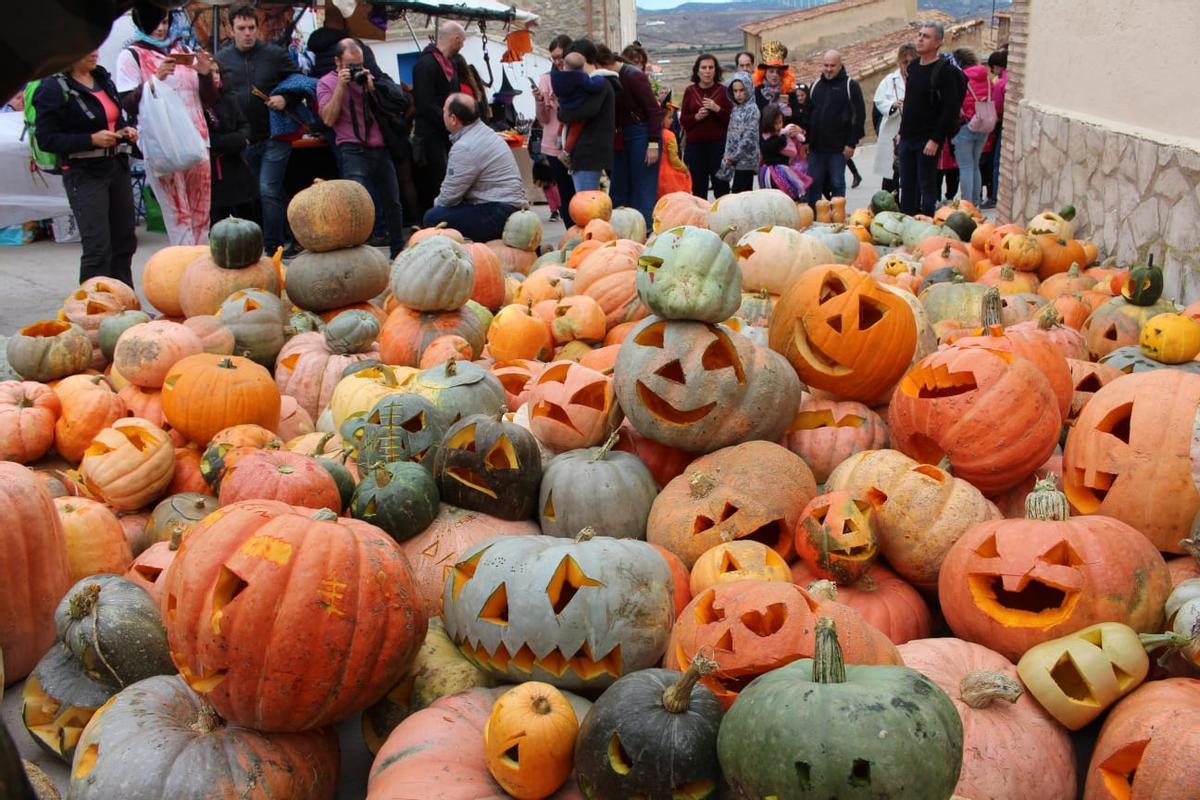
column 663, row 410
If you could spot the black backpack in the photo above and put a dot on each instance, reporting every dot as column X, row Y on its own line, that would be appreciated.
column 941, row 64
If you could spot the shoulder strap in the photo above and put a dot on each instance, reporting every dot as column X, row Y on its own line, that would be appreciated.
column 70, row 92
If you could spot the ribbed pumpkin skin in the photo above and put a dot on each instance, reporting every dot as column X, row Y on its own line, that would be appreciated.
column 331, row 215
column 407, row 333
column 827, row 432
column 613, row 494
column 201, row 396
column 89, row 406
column 309, row 372
column 435, row 275
column 1000, row 735
column 280, row 475
column 325, row 281
column 204, row 285
column 438, row 753
column 28, row 414
column 194, row 756
column 33, row 570
column 883, row 599
column 48, row 350
column 235, row 243
column 317, row 619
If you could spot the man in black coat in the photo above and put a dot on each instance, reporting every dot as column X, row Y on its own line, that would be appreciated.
column 248, row 64
column 836, row 116
column 434, row 80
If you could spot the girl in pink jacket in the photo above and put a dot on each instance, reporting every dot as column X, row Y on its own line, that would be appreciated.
column 968, row 144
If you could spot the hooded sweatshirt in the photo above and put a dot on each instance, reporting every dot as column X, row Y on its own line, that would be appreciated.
column 741, row 138
column 977, row 83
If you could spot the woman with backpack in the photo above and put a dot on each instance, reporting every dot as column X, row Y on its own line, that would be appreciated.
column 79, row 119
column 977, row 109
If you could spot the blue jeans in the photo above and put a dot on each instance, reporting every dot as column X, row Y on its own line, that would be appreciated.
column 268, row 160
column 586, row 180
column 479, row 222
column 968, row 149
column 634, row 183
column 373, row 165
column 918, row 177
column 828, row 173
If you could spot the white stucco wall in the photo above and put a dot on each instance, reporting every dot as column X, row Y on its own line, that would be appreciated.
column 1132, row 66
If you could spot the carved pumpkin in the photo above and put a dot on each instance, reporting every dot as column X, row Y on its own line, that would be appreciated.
column 758, row 626
column 88, row 406
column 881, row 597
column 993, row 414
column 738, row 560
column 48, row 350
column 1087, row 378
column 242, row 762
column 256, row 318
column 205, row 393
column 843, row 333
column 529, row 740
column 489, row 465
column 719, row 498
column 1127, row 455
column 572, row 406
column 925, row 512
column 357, row 392
column 1118, row 323
column 129, row 463
column 827, row 432
column 517, row 379
column 244, row 572
column 399, row 498
column 400, row 427
column 1002, row 724
column 827, row 717
column 1170, row 338
column 700, row 387
column 597, row 487
column 571, row 613
column 836, row 535
column 1011, row 584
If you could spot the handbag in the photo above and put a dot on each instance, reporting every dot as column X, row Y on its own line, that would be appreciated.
column 983, row 120
column 166, row 135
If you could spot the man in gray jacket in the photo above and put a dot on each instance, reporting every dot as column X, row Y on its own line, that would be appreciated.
column 483, row 185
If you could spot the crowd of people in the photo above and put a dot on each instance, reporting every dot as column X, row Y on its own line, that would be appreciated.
column 426, row 153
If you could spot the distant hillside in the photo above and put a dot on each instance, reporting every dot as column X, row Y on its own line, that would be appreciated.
column 731, row 5
column 965, row 8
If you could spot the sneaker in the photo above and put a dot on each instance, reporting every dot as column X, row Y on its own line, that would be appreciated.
column 379, row 240
column 989, row 203
column 854, row 184
column 554, row 217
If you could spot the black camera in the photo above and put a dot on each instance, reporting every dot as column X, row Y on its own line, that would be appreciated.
column 358, row 74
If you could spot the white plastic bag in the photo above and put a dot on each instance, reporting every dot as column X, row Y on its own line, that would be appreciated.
column 166, row 135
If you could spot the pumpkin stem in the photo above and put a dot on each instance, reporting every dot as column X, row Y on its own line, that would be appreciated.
column 451, row 367
column 176, row 538
column 728, row 229
column 678, row 696
column 1045, row 502
column 945, row 466
column 325, row 515
column 207, row 720
column 828, row 666
column 324, row 440
column 1067, row 213
column 84, row 601
column 1048, row 318
column 608, row 445
column 1007, row 273
column 823, row 590
column 992, row 307
column 225, row 363
column 701, row 483
column 585, row 535
column 541, row 705
column 1191, row 545
column 946, row 251
column 763, row 294
column 1073, row 270
column 980, row 688
column 1173, row 642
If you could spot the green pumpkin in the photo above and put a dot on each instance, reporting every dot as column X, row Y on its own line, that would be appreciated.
column 401, row 498
column 887, row 227
column 486, row 464
column 175, row 515
column 597, row 487
column 325, row 281
column 399, row 427
column 915, row 231
column 1130, row 358
column 256, row 317
column 1145, row 285
column 110, row 634
column 819, row 729
column 484, row 314
column 962, row 224
column 113, row 326
column 235, row 243
column 523, row 230
column 352, row 331
column 461, row 388
column 884, row 201
column 7, row 373
column 668, row 720
column 840, row 240
column 954, row 300
column 359, row 366
column 689, row 273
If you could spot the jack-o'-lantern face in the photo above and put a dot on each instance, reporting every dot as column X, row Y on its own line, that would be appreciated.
column 739, row 560
column 489, row 465
column 1079, row 675
column 400, row 427
column 1020, row 582
column 843, row 333
column 1087, row 378
column 517, row 379
column 681, row 380
column 836, row 535
column 572, row 614
column 1109, row 454
column 572, row 406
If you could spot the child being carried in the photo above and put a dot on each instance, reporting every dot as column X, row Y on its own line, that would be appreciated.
column 572, row 86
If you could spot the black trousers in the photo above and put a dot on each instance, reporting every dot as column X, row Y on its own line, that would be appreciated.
column 373, row 165
column 703, row 159
column 743, row 180
column 101, row 198
column 430, row 155
column 566, row 187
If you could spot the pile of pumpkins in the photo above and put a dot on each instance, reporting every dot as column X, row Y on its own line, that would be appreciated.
column 674, row 517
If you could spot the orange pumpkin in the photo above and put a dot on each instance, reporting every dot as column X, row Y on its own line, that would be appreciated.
column 1072, row 311
column 551, row 282
column 1087, row 378
column 214, row 337
column 88, row 406
column 34, row 570
column 571, row 406
column 587, row 206
column 205, row 393
column 602, row 359
column 517, row 379
column 883, row 599
column 444, row 348
column 146, row 352
column 437, row 230
column 29, row 412
column 739, row 560
column 827, row 432
column 187, row 476
column 836, row 536
column 679, row 208
column 517, row 333
column 578, row 318
column 204, row 285
column 95, row 540
column 599, row 229
column 1008, row 280
column 128, row 464
column 608, row 275
column 529, row 740
column 1058, row 255
column 280, row 475
column 407, row 333
column 489, row 278
column 164, row 271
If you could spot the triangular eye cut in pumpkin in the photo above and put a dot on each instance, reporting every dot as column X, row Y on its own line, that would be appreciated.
column 464, row 571
column 502, row 455
column 652, row 336
column 463, row 439
column 567, row 580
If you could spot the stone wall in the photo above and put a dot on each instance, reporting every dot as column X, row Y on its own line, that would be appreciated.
column 1136, row 196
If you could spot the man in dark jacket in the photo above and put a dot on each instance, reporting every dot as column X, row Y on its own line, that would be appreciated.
column 836, row 116
column 246, row 65
column 434, row 80
column 593, row 151
column 933, row 95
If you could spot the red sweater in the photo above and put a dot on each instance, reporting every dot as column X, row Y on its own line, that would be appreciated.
column 712, row 127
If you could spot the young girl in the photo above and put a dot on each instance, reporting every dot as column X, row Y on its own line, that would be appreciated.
column 741, row 138
column 673, row 174
column 543, row 178
column 779, row 146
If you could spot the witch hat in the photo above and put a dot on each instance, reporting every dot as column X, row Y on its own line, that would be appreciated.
column 506, row 88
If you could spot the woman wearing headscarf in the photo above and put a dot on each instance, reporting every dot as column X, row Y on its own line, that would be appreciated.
column 186, row 195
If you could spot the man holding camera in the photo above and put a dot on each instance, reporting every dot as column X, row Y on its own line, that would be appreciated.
column 342, row 99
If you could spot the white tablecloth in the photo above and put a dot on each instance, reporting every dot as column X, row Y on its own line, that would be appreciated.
column 23, row 195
